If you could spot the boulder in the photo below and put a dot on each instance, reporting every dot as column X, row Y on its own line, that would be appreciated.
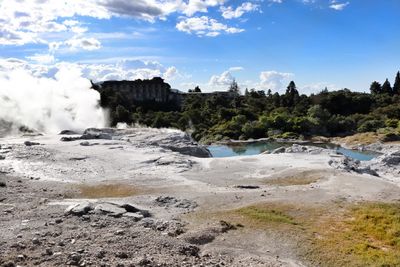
column 86, row 143
column 279, row 150
column 109, row 209
column 168, row 201
column 351, row 165
column 69, row 138
column 391, row 159
column 190, row 150
column 67, row 132
column 79, row 209
column 29, row 143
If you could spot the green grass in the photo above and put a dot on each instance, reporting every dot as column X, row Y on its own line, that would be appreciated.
column 265, row 215
column 361, row 235
column 367, row 235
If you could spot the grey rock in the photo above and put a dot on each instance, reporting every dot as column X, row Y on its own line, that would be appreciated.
column 21, row 257
column 189, row 250
column 69, row 138
column 350, row 165
column 135, row 216
column 129, row 207
column 2, row 157
column 391, row 159
column 79, row 209
column 247, row 186
column 279, row 150
column 67, row 132
column 9, row 264
column 85, row 143
column 93, row 133
column 48, row 252
column 29, row 143
column 74, row 258
column 168, row 201
column 109, row 209
column 120, row 232
column 121, row 255
column 101, row 254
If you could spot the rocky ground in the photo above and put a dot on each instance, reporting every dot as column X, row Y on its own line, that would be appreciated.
column 145, row 197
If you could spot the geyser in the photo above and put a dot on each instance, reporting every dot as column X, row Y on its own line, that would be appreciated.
column 49, row 104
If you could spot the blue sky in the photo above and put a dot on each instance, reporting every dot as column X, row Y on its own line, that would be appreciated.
column 262, row 44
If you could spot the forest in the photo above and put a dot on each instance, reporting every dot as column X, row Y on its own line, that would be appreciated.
column 259, row 114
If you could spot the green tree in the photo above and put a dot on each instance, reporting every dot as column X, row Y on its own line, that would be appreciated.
column 292, row 89
column 234, row 87
column 197, row 89
column 387, row 88
column 396, row 85
column 375, row 88
column 122, row 115
column 291, row 95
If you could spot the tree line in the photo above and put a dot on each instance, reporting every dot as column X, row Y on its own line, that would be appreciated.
column 259, row 114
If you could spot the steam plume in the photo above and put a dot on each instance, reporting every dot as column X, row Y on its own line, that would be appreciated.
column 49, row 104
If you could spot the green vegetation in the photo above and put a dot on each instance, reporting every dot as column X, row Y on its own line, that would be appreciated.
column 256, row 114
column 364, row 234
column 265, row 215
column 367, row 235
column 341, row 234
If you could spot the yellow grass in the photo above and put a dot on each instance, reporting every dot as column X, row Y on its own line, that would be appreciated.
column 107, row 191
column 302, row 178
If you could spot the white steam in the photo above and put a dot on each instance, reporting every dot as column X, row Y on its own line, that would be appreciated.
column 49, row 104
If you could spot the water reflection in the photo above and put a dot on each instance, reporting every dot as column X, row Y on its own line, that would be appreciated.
column 248, row 149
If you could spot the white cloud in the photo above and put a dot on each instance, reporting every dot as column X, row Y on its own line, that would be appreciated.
column 83, row 43
column 25, row 21
column 121, row 70
column 204, row 26
column 317, row 87
column 142, row 9
column 193, row 6
column 224, row 79
column 230, row 13
column 236, row 68
column 338, row 6
column 170, row 73
column 274, row 80
column 42, row 58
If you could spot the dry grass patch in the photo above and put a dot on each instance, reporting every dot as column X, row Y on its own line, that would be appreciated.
column 367, row 234
column 258, row 216
column 108, row 190
column 360, row 138
column 265, row 215
column 301, row 178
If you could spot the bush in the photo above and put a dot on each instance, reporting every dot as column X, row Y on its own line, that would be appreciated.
column 370, row 126
column 392, row 123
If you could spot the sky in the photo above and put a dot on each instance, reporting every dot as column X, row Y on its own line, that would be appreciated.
column 263, row 44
